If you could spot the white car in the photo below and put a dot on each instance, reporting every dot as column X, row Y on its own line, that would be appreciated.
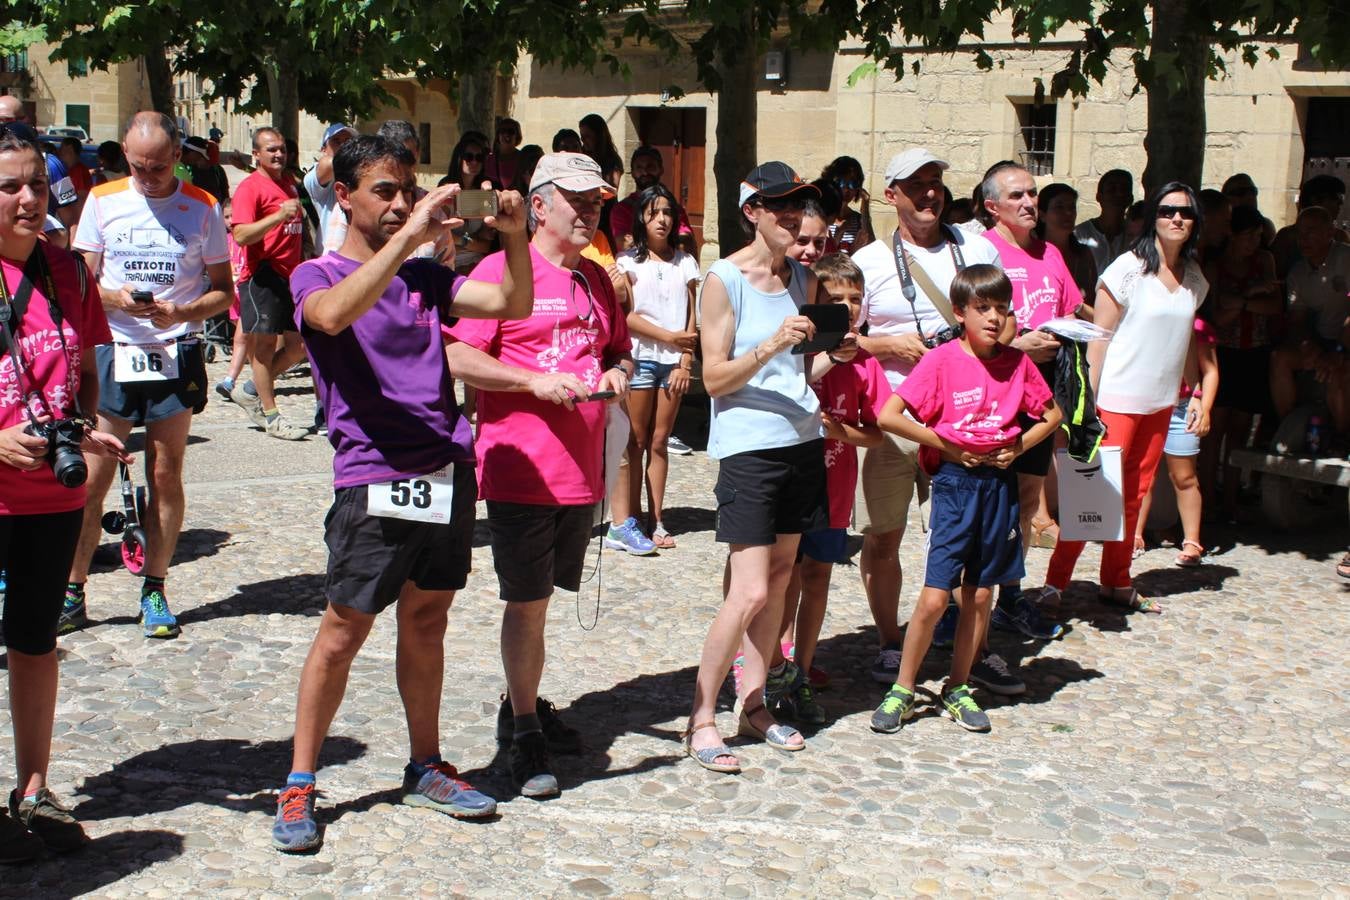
column 66, row 131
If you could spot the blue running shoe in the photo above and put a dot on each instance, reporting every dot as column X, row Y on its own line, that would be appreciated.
column 294, row 830
column 1026, row 619
column 944, row 633
column 629, row 538
column 156, row 619
column 440, row 788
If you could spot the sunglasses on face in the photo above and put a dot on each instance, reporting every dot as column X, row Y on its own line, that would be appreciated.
column 472, row 157
column 782, row 204
column 1186, row 212
column 847, row 185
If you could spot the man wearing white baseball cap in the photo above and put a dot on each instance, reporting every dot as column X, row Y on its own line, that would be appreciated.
column 540, row 444
column 319, row 180
column 902, row 272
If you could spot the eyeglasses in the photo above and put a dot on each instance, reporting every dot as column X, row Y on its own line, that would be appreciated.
column 472, row 157
column 1168, row 212
column 782, row 204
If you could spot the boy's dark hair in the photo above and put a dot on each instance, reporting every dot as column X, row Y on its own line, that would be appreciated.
column 646, row 150
column 813, row 210
column 356, row 156
column 838, row 267
column 980, row 280
column 645, row 199
column 1320, row 187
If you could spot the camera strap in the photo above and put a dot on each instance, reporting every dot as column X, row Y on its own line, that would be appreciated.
column 16, row 304
column 909, row 271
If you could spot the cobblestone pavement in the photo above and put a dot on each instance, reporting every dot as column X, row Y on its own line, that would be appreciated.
column 1202, row 752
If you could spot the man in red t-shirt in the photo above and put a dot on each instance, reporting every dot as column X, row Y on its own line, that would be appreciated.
column 269, row 225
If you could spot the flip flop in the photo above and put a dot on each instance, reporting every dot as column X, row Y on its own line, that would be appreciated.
column 1041, row 536
column 661, row 538
column 1131, row 602
column 1343, row 567
column 1140, row 548
column 708, row 756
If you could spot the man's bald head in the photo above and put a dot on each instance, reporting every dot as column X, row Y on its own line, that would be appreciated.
column 152, row 124
column 11, row 109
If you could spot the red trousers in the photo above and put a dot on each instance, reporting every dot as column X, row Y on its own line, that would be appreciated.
column 1140, row 437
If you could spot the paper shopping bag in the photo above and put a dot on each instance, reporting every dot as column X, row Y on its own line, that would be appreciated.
column 1091, row 503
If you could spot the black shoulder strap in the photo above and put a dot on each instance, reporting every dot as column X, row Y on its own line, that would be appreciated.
column 17, row 304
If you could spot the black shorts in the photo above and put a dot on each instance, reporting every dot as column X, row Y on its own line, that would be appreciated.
column 764, row 493
column 143, row 402
column 265, row 303
column 1035, row 461
column 35, row 553
column 370, row 558
column 537, row 548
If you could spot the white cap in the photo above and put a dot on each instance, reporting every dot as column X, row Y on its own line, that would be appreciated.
column 903, row 165
column 570, row 171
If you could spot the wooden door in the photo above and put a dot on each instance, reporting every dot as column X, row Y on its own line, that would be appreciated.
column 681, row 137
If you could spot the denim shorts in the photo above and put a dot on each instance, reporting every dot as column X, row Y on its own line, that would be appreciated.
column 1179, row 442
column 651, row 374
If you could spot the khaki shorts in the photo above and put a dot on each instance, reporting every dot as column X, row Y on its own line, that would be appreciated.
column 889, row 477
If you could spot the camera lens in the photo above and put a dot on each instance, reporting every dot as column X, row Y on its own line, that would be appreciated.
column 69, row 467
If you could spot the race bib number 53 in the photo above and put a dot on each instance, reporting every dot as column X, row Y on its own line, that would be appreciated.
column 426, row 498
column 145, row 362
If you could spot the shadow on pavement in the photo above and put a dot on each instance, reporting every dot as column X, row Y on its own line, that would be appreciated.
column 193, row 543
column 102, row 862
column 296, row 595
column 234, row 774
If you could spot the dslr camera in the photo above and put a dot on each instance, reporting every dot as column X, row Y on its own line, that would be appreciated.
column 64, row 437
column 942, row 336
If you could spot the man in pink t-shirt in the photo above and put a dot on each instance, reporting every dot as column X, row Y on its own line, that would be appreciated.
column 1043, row 289
column 540, row 442
column 269, row 224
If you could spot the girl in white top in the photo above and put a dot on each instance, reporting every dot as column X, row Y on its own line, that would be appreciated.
column 1149, row 297
column 661, row 322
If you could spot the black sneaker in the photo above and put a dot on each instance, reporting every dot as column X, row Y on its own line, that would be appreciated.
column 562, row 738
column 992, row 674
column 49, row 820
column 17, row 844
column 530, row 769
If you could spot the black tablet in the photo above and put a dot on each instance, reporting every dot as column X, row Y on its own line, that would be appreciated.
column 831, row 321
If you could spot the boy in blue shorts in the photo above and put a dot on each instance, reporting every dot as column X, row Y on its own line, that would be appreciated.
column 965, row 397
column 851, row 395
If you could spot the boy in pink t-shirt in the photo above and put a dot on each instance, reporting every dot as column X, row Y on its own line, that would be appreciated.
column 967, row 397
column 851, row 396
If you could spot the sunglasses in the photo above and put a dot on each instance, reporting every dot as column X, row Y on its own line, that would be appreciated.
column 1186, row 212
column 847, row 185
column 782, row 204
column 473, row 157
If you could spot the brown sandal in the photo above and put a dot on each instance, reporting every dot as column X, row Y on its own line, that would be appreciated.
column 1041, row 535
column 1188, row 560
column 708, row 756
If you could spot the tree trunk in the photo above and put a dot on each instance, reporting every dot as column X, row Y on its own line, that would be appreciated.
column 477, row 91
column 283, row 89
column 737, row 144
column 159, row 73
column 1175, row 142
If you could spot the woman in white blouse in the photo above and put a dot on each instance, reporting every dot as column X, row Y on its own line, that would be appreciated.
column 1148, row 297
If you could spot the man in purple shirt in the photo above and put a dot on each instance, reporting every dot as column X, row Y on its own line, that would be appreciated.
column 401, row 525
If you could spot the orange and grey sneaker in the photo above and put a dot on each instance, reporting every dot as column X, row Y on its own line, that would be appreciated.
column 46, row 818
column 294, row 829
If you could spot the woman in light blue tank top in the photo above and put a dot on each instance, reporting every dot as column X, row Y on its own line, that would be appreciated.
column 766, row 433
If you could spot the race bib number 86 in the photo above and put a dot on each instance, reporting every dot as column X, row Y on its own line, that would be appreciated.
column 145, row 362
column 427, row 498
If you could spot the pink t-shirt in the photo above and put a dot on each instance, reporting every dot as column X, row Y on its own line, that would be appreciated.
column 852, row 394
column 47, row 369
column 1043, row 286
column 532, row 450
column 973, row 402
column 1204, row 334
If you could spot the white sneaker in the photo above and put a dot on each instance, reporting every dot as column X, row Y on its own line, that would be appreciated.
column 280, row 428
column 249, row 403
column 677, row 446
